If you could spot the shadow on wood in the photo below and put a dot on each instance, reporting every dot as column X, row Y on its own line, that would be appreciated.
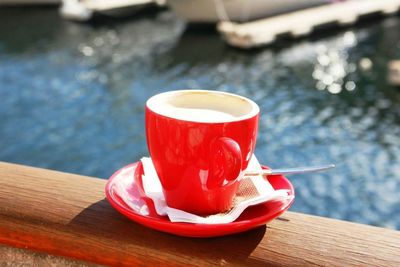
column 110, row 228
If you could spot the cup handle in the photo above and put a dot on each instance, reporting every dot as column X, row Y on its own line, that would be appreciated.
column 226, row 162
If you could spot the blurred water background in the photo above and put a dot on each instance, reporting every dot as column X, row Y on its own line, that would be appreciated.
column 72, row 99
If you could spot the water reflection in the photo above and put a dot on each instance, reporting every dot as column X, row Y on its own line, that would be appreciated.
column 332, row 64
column 73, row 96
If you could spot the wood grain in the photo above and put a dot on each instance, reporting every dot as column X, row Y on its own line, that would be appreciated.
column 16, row 257
column 67, row 215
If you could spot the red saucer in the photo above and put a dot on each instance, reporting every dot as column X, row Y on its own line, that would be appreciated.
column 145, row 214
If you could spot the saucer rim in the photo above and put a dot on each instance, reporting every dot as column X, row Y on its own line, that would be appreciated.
column 163, row 224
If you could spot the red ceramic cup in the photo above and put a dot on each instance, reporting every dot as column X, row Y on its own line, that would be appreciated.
column 200, row 143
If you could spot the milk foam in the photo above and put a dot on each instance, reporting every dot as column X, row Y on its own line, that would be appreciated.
column 202, row 106
column 206, row 114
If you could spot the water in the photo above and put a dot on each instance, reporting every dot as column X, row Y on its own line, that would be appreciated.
column 72, row 98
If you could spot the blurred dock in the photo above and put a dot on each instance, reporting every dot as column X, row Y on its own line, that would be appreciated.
column 300, row 23
column 28, row 2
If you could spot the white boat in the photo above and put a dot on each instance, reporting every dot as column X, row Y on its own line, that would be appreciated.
column 83, row 10
column 212, row 11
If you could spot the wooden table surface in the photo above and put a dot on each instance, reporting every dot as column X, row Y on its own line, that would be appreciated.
column 67, row 215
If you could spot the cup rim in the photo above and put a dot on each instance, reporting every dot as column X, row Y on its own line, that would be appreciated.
column 255, row 110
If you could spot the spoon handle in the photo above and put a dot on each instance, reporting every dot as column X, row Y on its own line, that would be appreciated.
column 290, row 170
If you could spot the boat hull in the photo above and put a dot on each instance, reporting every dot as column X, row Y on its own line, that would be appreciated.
column 212, row 11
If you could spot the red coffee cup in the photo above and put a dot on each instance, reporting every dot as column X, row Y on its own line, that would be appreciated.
column 200, row 143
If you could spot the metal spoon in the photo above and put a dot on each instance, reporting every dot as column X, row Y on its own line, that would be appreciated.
column 286, row 171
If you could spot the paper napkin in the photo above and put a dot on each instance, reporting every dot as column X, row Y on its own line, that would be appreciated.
column 252, row 191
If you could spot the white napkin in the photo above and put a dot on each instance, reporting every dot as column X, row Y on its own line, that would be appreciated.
column 252, row 191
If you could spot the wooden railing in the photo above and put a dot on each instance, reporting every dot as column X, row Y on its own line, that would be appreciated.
column 67, row 215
